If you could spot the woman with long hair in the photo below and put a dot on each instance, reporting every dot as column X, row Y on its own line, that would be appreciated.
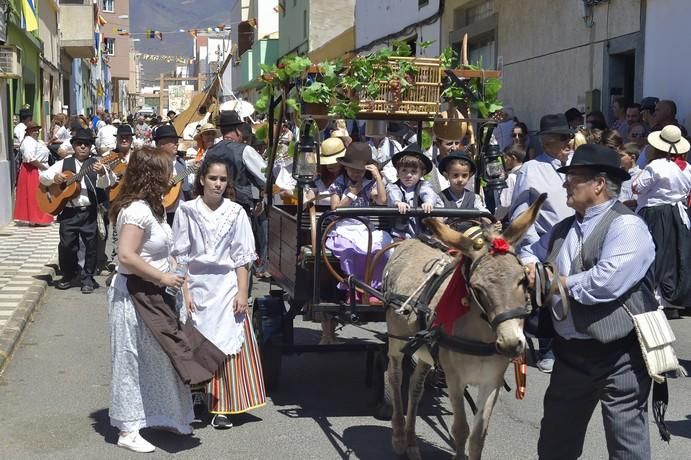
column 520, row 136
column 154, row 359
column 213, row 236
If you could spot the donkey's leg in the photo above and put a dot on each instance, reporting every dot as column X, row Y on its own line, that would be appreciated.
column 415, row 392
column 395, row 375
column 487, row 397
column 459, row 429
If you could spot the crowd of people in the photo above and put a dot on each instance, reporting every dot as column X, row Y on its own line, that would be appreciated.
column 188, row 229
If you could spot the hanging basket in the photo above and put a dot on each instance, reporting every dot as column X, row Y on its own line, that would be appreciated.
column 420, row 99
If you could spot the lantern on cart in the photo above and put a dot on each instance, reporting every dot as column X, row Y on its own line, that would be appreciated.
column 306, row 161
column 492, row 161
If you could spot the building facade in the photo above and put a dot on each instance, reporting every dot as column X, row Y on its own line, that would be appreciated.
column 116, row 48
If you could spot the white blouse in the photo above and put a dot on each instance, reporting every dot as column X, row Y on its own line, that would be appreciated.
column 661, row 182
column 214, row 243
column 158, row 236
column 34, row 150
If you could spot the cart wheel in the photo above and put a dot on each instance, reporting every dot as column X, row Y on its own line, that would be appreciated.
column 270, row 353
column 383, row 408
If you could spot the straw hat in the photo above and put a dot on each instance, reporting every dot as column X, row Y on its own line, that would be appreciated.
column 669, row 140
column 206, row 128
column 341, row 129
column 331, row 150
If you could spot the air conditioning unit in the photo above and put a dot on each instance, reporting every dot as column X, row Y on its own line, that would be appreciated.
column 10, row 62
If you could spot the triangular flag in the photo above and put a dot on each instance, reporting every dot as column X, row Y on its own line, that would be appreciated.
column 101, row 20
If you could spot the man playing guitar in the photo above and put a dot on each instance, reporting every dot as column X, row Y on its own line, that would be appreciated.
column 78, row 218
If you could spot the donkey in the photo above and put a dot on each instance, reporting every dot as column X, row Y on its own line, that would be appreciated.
column 496, row 281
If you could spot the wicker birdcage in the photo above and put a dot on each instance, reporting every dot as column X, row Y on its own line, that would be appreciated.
column 421, row 98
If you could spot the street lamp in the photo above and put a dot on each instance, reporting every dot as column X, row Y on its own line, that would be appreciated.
column 306, row 161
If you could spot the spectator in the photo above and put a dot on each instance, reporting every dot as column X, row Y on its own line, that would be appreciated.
column 385, row 147
column 541, row 176
column 633, row 114
column 105, row 139
column 574, row 117
column 171, row 115
column 522, row 139
column 34, row 155
column 97, row 122
column 25, row 116
column 637, row 134
column 514, row 156
column 666, row 114
column 648, row 111
column 619, row 112
column 628, row 157
column 503, row 133
column 596, row 120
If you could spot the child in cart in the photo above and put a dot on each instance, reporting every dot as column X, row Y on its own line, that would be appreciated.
column 411, row 190
column 457, row 167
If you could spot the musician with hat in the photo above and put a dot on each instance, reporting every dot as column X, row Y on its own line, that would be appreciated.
column 245, row 164
column 167, row 139
column 601, row 257
column 78, row 218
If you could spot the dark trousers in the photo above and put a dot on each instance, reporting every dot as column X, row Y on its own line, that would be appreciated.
column 76, row 223
column 587, row 372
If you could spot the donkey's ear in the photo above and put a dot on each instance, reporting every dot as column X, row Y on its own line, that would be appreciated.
column 449, row 236
column 518, row 227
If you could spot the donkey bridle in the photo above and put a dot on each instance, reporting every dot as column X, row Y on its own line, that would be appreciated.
column 436, row 336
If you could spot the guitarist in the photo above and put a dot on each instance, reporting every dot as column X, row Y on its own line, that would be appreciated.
column 123, row 147
column 166, row 139
column 78, row 219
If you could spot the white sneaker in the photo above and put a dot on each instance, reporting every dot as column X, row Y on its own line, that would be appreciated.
column 135, row 443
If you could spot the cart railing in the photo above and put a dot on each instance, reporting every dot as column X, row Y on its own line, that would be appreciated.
column 345, row 213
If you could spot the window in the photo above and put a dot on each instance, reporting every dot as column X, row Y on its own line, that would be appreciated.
column 109, row 46
column 475, row 12
column 109, row 6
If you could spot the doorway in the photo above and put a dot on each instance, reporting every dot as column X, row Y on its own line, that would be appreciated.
column 622, row 77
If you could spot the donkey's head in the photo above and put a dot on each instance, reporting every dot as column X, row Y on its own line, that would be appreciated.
column 496, row 278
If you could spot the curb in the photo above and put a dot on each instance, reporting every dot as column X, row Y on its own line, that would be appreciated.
column 13, row 331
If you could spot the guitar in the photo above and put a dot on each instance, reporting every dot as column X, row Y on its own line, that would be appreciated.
column 175, row 183
column 118, row 169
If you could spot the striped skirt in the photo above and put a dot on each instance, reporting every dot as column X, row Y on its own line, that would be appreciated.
column 238, row 386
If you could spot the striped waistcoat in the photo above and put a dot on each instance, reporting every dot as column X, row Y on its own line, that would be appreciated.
column 608, row 321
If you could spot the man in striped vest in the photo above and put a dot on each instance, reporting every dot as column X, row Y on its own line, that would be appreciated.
column 602, row 257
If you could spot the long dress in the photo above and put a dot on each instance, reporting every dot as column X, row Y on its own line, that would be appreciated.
column 26, row 208
column 146, row 391
column 348, row 239
column 214, row 243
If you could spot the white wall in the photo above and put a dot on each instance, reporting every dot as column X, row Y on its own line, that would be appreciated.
column 267, row 17
column 376, row 19
column 667, row 61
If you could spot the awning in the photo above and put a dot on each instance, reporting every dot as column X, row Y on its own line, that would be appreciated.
column 336, row 47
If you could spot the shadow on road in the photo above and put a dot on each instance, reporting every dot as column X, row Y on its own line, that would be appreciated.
column 164, row 440
column 680, row 428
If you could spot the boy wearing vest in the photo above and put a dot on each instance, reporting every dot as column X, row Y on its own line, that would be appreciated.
column 78, row 219
column 411, row 190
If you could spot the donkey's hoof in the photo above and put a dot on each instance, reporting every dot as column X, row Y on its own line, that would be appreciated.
column 413, row 453
column 398, row 445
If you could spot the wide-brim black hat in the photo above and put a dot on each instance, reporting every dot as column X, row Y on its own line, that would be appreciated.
column 357, row 156
column 457, row 155
column 124, row 130
column 554, row 124
column 83, row 134
column 163, row 131
column 415, row 151
column 229, row 118
column 598, row 158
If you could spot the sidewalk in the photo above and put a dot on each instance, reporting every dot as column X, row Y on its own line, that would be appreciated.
column 25, row 255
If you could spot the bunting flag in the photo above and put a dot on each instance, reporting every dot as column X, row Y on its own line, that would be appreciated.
column 280, row 8
column 29, row 15
column 165, row 58
column 101, row 20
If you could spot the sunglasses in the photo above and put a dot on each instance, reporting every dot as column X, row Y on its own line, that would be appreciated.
column 82, row 143
column 520, row 135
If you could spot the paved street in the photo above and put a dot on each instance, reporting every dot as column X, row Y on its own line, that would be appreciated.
column 54, row 396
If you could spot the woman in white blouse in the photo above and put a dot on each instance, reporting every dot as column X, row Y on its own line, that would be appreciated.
column 34, row 159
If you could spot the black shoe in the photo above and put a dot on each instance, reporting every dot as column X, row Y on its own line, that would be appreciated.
column 221, row 422
column 67, row 282
column 87, row 288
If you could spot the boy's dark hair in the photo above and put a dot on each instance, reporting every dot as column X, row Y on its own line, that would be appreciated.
column 517, row 151
column 631, row 148
column 410, row 161
column 459, row 161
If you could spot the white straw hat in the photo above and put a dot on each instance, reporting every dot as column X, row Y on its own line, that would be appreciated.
column 669, row 140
